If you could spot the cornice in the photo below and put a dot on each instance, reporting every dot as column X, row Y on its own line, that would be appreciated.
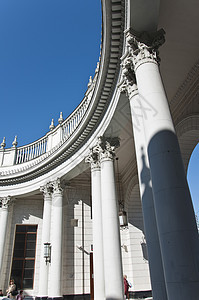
column 109, row 67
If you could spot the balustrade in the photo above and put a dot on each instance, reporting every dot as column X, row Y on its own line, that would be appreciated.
column 31, row 151
column 49, row 141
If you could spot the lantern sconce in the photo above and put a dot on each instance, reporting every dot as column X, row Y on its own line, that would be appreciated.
column 47, row 252
column 123, row 219
column 122, row 213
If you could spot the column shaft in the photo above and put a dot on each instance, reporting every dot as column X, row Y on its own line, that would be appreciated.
column 98, row 257
column 174, row 211
column 44, row 268
column 111, row 234
column 3, row 228
column 56, row 242
column 150, row 225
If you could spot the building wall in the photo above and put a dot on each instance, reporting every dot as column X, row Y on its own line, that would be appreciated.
column 23, row 212
column 134, row 254
column 77, row 242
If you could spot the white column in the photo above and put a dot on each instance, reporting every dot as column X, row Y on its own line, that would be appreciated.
column 145, row 186
column 111, row 233
column 56, row 241
column 174, row 211
column 98, row 255
column 5, row 202
column 44, row 267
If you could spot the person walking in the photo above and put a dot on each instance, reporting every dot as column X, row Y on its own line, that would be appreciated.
column 126, row 287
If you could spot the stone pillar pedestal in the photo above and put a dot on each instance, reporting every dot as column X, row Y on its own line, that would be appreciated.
column 56, row 241
column 44, row 267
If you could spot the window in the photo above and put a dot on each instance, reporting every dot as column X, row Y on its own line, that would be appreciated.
column 23, row 261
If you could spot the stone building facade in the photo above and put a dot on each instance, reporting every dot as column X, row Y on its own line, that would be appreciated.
column 125, row 149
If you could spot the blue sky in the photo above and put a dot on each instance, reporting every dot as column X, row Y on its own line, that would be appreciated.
column 193, row 178
column 49, row 48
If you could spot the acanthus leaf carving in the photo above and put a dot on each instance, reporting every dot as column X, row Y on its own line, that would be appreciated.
column 6, row 202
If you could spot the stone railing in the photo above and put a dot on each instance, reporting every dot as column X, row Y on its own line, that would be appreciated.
column 31, row 151
column 57, row 135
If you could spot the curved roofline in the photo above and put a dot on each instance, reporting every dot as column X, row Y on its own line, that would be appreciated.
column 112, row 43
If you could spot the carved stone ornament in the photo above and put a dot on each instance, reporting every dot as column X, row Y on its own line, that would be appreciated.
column 47, row 189
column 5, row 202
column 57, row 187
column 106, row 147
column 93, row 159
column 130, row 88
column 144, row 46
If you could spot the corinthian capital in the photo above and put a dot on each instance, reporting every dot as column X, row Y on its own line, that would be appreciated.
column 93, row 159
column 128, row 82
column 46, row 189
column 106, row 147
column 144, row 46
column 57, row 186
column 5, row 202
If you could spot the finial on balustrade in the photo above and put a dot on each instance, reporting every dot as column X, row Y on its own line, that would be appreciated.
column 14, row 143
column 90, row 81
column 3, row 144
column 97, row 68
column 52, row 126
column 61, row 119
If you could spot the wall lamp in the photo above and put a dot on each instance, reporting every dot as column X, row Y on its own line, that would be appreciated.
column 122, row 213
column 123, row 219
column 47, row 252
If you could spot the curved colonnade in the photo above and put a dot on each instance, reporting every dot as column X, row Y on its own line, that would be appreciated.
column 48, row 193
